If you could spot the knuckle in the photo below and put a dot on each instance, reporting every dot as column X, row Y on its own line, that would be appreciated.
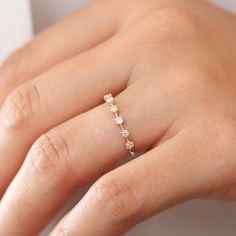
column 116, row 198
column 177, row 21
column 50, row 154
column 19, row 106
column 169, row 26
column 16, row 65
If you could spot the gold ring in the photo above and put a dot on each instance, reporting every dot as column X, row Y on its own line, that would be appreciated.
column 109, row 99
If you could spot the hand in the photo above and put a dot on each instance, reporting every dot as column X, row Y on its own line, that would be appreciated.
column 170, row 64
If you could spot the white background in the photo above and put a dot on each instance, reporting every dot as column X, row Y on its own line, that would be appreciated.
column 15, row 25
column 196, row 218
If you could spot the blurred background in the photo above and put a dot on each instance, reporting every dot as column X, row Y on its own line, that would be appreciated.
column 48, row 11
column 196, row 218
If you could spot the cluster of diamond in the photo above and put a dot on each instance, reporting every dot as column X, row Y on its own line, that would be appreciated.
column 109, row 99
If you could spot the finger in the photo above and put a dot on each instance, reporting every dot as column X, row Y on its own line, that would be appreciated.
column 134, row 192
column 47, row 101
column 66, row 39
column 74, row 154
column 71, row 88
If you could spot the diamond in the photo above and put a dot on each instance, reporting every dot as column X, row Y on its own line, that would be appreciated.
column 119, row 120
column 114, row 108
column 109, row 98
column 124, row 133
column 129, row 145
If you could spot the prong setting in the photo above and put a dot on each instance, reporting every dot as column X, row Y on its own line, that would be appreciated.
column 109, row 99
column 114, row 108
column 124, row 133
column 119, row 120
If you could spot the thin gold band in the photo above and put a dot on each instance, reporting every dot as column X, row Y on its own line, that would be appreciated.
column 109, row 99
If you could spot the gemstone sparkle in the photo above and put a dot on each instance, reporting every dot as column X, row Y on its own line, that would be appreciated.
column 129, row 145
column 109, row 98
column 124, row 133
column 114, row 108
column 119, row 120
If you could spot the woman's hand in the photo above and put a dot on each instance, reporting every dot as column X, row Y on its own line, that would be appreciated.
column 171, row 65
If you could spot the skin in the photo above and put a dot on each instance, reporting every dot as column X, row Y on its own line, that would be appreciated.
column 170, row 64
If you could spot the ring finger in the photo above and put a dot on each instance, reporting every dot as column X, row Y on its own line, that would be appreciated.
column 54, row 97
column 64, row 158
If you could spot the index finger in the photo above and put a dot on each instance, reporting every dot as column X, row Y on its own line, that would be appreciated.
column 73, row 35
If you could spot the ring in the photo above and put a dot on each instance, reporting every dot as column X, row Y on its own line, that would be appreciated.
column 109, row 99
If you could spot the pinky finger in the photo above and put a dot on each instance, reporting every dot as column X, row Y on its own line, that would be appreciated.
column 158, row 180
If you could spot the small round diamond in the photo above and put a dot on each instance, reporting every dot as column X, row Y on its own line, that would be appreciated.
column 119, row 120
column 124, row 133
column 114, row 108
column 129, row 145
column 108, row 98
